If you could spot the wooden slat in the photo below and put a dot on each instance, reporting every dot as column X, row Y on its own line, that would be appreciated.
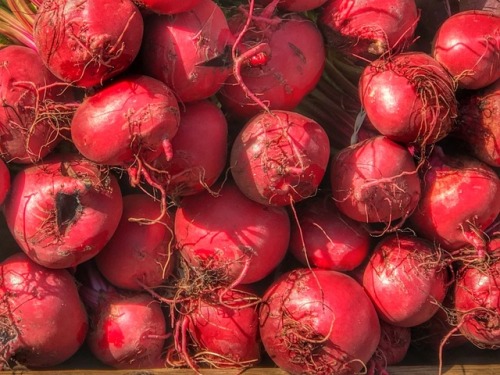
column 395, row 370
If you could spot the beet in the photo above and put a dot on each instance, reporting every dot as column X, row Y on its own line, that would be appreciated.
column 78, row 47
column 310, row 327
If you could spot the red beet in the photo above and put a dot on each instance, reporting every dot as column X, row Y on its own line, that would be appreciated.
column 231, row 236
column 375, row 180
column 166, row 6
column 180, row 50
column 406, row 278
column 409, row 97
column 369, row 28
column 36, row 106
column 310, row 327
column 221, row 329
column 323, row 237
column 479, row 116
column 78, row 47
column 132, row 118
column 393, row 346
column 63, row 211
column 477, row 302
column 279, row 157
column 468, row 45
column 460, row 199
column 43, row 321
column 128, row 329
column 199, row 150
column 138, row 254
column 277, row 63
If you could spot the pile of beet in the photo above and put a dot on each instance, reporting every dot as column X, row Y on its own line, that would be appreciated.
column 308, row 184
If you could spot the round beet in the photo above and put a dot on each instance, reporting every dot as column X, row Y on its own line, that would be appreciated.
column 279, row 157
column 318, row 322
column 369, row 28
column 36, row 107
column 128, row 328
column 393, row 346
column 138, row 254
column 132, row 118
column 323, row 237
column 199, row 150
column 460, row 199
column 409, row 98
column 279, row 62
column 230, row 236
column 406, row 278
column 63, row 211
column 468, row 45
column 477, row 303
column 479, row 116
column 79, row 47
column 220, row 328
column 43, row 321
column 375, row 180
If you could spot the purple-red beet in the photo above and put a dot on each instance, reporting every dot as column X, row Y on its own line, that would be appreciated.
column 460, row 199
column 78, row 47
column 277, row 62
column 229, row 235
column 368, row 29
column 479, row 116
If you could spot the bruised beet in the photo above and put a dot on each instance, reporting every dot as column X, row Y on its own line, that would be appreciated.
column 78, row 47
column 318, row 322
column 43, row 320
column 63, row 211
